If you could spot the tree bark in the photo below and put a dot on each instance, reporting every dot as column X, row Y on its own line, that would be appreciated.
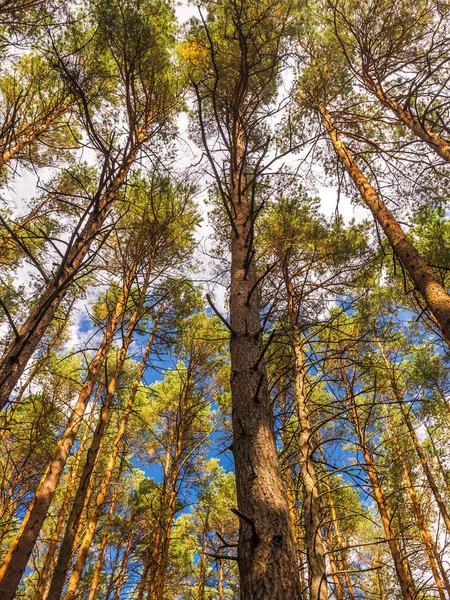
column 107, row 474
column 418, row 448
column 435, row 296
column 22, row 546
column 315, row 551
column 44, row 580
column 267, row 562
column 434, row 141
column 67, row 545
column 434, row 561
column 400, row 561
column 23, row 345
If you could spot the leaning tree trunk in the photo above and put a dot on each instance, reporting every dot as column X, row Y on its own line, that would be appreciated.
column 42, row 587
column 22, row 546
column 434, row 141
column 107, row 474
column 26, row 341
column 435, row 296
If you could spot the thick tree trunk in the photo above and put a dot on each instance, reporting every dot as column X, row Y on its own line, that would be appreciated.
column 435, row 296
column 267, row 562
column 21, row 548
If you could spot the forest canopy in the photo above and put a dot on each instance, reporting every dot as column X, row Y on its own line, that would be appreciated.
column 225, row 300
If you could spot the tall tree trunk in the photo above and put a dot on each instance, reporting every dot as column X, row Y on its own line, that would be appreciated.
column 418, row 448
column 266, row 558
column 337, row 530
column 101, row 551
column 432, row 553
column 317, row 576
column 436, row 298
column 44, row 580
column 67, row 545
column 123, row 566
column 22, row 546
column 23, row 345
column 400, row 561
column 434, row 141
column 107, row 474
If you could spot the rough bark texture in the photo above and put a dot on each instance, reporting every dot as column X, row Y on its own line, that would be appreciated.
column 267, row 560
column 435, row 296
column 22, row 546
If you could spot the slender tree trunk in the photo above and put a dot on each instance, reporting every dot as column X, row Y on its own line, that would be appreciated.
column 337, row 531
column 203, row 564
column 418, row 448
column 400, row 562
column 107, row 474
column 434, row 141
column 8, row 154
column 21, row 548
column 123, row 566
column 44, row 580
column 438, row 458
column 220, row 579
column 67, row 545
column 267, row 559
column 101, row 551
column 23, row 345
column 317, row 576
column 436, row 298
column 435, row 563
column 339, row 591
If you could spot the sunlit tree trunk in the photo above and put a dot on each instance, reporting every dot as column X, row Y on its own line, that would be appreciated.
column 67, row 545
column 435, row 296
column 436, row 566
column 44, row 580
column 22, row 546
column 30, row 334
column 418, row 448
column 400, row 561
column 94, row 517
